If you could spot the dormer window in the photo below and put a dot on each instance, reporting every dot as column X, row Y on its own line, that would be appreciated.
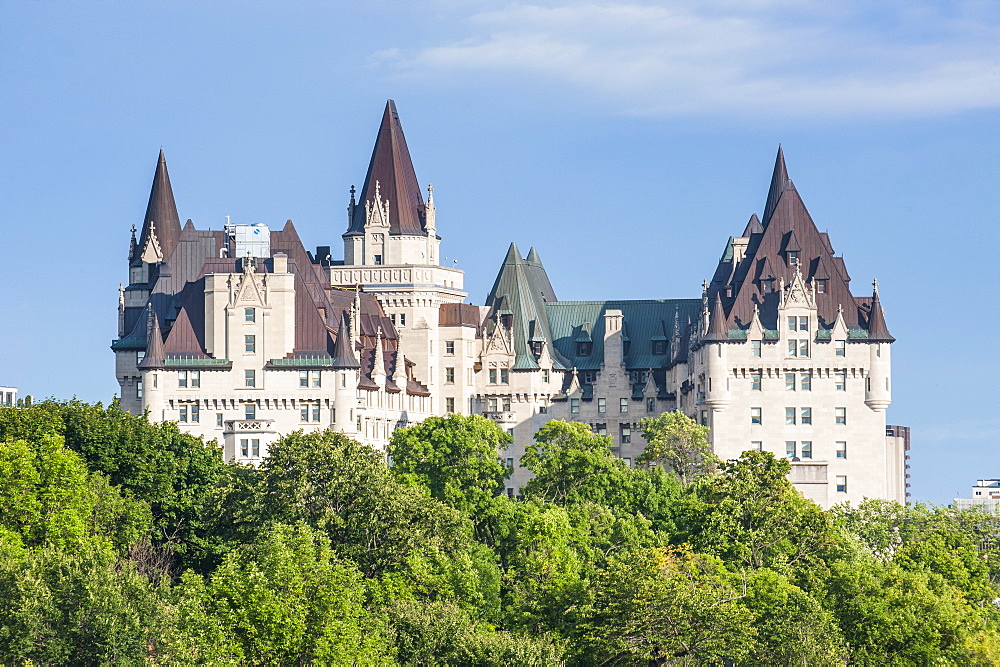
column 536, row 348
column 822, row 284
column 584, row 348
column 659, row 347
column 793, row 257
column 767, row 285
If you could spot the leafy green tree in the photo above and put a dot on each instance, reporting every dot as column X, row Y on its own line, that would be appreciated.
column 679, row 442
column 455, row 457
column 571, row 463
column 667, row 606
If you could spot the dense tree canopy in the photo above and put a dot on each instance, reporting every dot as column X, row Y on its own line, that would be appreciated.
column 128, row 542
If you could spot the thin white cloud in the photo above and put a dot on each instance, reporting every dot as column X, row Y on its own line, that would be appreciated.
column 762, row 57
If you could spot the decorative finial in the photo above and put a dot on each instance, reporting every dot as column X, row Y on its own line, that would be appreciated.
column 704, row 286
column 133, row 230
column 875, row 284
column 430, row 193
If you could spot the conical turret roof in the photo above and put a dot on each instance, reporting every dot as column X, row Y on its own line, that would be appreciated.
column 343, row 352
column 877, row 330
column 161, row 212
column 154, row 353
column 718, row 330
column 392, row 169
column 779, row 181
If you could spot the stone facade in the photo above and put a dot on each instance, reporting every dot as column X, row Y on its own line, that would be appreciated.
column 242, row 336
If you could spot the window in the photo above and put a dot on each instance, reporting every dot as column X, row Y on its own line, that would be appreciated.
column 250, row 378
column 574, row 406
column 602, row 405
column 626, row 433
column 315, row 378
column 803, row 323
column 650, row 405
column 587, row 377
column 628, row 461
column 378, row 260
column 757, row 446
column 793, row 257
column 806, row 450
column 249, row 315
column 755, row 381
column 755, row 347
column 182, row 413
column 789, row 381
column 504, row 376
column 792, row 323
column 182, row 378
column 798, row 348
column 623, row 405
column 505, row 402
column 821, row 285
column 840, row 415
column 659, row 347
column 806, row 416
column 196, row 413
column 601, row 429
column 402, row 319
column 255, row 447
column 449, row 347
column 250, row 411
column 449, row 405
column 841, row 347
column 841, row 483
column 491, row 404
column 139, row 356
column 790, row 416
column 303, row 378
column 138, row 388
column 790, row 449
column 807, row 382
column 704, row 417
column 493, row 376
column 449, row 376
column 841, row 449
column 841, row 380
column 249, row 343
column 545, row 375
column 583, row 349
column 218, row 420
column 543, row 409
column 315, row 412
column 195, row 377
column 755, row 416
column 392, row 318
column 244, row 447
column 304, row 413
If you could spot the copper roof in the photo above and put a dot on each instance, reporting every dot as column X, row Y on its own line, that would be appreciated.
column 343, row 351
column 877, row 330
column 161, row 210
column 154, row 354
column 392, row 169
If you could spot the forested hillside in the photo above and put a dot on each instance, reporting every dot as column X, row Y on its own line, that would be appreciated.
column 128, row 542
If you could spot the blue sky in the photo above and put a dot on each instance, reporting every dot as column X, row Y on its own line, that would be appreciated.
column 626, row 141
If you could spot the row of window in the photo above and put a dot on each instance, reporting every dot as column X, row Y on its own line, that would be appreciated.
column 804, row 416
column 799, row 347
column 191, row 412
column 624, row 432
column 192, row 379
column 804, row 381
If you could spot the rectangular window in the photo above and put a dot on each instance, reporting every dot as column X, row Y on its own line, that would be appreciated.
column 182, row 413
column 510, row 464
column 821, row 285
column 138, row 388
column 803, row 348
column 491, row 404
column 807, row 382
column 249, row 315
column 195, row 378
column 790, row 416
column 504, row 376
column 449, row 405
column 755, row 347
column 626, row 433
column 250, row 411
column 803, row 324
column 793, row 257
column 659, row 347
column 249, row 343
column 841, row 449
column 543, row 409
column 704, row 417
column 315, row 378
column 402, row 319
column 756, row 380
column 789, row 381
column 303, row 378
column 841, row 347
column 628, row 461
column 255, row 448
column 806, row 450
column 218, row 420
column 493, row 376
column 315, row 412
column 793, row 348
column 806, row 416
column 790, row 449
column 392, row 318
column 623, row 405
column 757, row 446
column 196, row 413
column 574, row 406
column 505, row 402
column 841, row 483
column 601, row 429
column 650, row 405
column 545, row 375
column 755, row 416
column 139, row 356
column 841, row 380
column 378, row 260
column 182, row 378
column 792, row 321
column 602, row 405
column 840, row 415
column 587, row 377
column 244, row 447
column 449, row 347
column 303, row 413
column 250, row 378
column 449, row 376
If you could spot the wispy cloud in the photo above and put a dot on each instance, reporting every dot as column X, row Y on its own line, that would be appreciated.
column 763, row 57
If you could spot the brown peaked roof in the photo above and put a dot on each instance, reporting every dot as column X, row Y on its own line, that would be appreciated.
column 718, row 329
column 779, row 181
column 161, row 210
column 877, row 330
column 343, row 351
column 154, row 353
column 392, row 169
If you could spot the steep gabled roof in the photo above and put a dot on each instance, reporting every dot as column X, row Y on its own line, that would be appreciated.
column 161, row 210
column 392, row 169
column 877, row 330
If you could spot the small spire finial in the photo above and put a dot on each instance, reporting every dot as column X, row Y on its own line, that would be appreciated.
column 875, row 284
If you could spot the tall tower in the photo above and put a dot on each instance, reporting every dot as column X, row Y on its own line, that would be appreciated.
column 391, row 249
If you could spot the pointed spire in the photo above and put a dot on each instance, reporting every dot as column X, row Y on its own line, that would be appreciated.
column 392, row 168
column 163, row 210
column 154, row 351
column 378, row 361
column 133, row 246
column 533, row 256
column 513, row 256
column 877, row 330
column 343, row 350
column 718, row 330
column 779, row 181
column 753, row 226
column 121, row 309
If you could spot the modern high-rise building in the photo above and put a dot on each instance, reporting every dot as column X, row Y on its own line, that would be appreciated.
column 242, row 335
